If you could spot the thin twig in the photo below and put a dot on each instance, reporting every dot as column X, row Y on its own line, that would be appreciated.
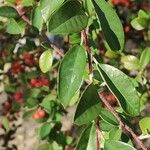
column 124, row 126
column 98, row 147
column 89, row 52
column 57, row 50
column 22, row 15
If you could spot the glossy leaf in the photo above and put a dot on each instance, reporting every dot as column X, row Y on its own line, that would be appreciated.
column 48, row 7
column 9, row 12
column 145, row 125
column 114, row 145
column 45, row 61
column 145, row 58
column 108, row 117
column 45, row 130
column 122, row 87
column 37, row 20
column 87, row 139
column 14, row 27
column 71, row 73
column 130, row 62
column 89, row 106
column 110, row 24
column 70, row 18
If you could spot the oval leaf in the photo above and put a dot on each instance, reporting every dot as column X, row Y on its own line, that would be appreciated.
column 48, row 7
column 14, row 27
column 70, row 18
column 122, row 87
column 45, row 61
column 130, row 62
column 89, row 106
column 45, row 130
column 145, row 125
column 37, row 20
column 9, row 12
column 114, row 145
column 87, row 140
column 145, row 58
column 110, row 24
column 71, row 74
column 108, row 117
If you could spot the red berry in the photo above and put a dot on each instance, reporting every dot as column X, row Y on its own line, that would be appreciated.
column 35, row 116
column 28, row 58
column 6, row 107
column 17, row 68
column 35, row 83
column 124, row 3
column 41, row 113
column 39, row 82
column 127, row 28
column 45, row 82
column 4, row 53
column 18, row 96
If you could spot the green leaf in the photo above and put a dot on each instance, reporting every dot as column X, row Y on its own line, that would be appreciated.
column 108, row 117
column 71, row 73
column 141, row 22
column 87, row 140
column 46, row 103
column 48, row 7
column 115, row 134
column 31, row 102
column 6, row 124
column 145, row 58
column 9, row 12
column 145, row 125
column 105, row 126
column 110, row 24
column 33, row 93
column 114, row 145
column 45, row 61
column 70, row 18
column 14, row 27
column 37, row 20
column 136, row 25
column 27, row 3
column 44, row 146
column 28, row 114
column 89, row 106
column 75, row 38
column 122, row 87
column 130, row 62
column 89, row 8
column 45, row 130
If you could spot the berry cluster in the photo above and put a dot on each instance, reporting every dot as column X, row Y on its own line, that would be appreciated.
column 124, row 3
column 39, row 82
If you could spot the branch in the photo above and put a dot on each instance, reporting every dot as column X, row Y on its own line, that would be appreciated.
column 89, row 52
column 22, row 15
column 125, row 128
column 57, row 50
column 98, row 147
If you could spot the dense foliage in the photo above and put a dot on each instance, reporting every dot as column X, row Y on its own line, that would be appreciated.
column 91, row 55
